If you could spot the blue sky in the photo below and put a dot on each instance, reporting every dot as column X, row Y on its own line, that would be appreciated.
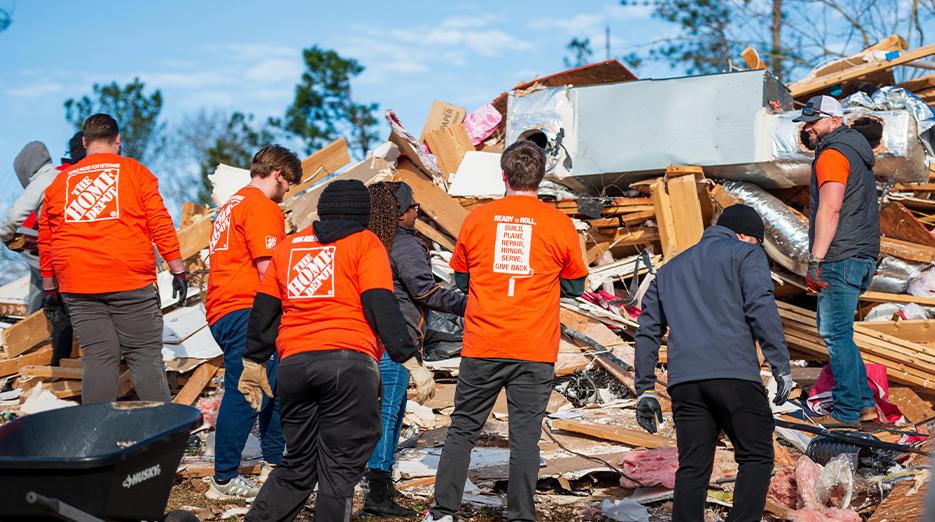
column 246, row 56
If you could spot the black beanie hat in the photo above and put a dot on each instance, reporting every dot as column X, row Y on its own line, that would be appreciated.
column 743, row 220
column 76, row 149
column 346, row 199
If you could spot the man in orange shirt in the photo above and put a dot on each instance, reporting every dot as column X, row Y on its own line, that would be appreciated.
column 326, row 297
column 515, row 257
column 100, row 219
column 246, row 230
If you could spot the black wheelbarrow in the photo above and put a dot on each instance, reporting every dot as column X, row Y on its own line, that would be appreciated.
column 113, row 461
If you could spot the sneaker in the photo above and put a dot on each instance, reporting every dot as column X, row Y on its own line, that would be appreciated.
column 237, row 487
column 446, row 518
column 265, row 469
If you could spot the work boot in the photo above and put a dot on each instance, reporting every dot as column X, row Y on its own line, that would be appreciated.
column 870, row 415
column 379, row 502
column 235, row 488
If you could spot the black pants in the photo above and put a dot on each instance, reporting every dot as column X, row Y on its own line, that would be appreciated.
column 330, row 412
column 528, row 386
column 701, row 410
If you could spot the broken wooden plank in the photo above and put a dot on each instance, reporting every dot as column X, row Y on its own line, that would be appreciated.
column 194, row 238
column 633, row 438
column 914, row 408
column 326, row 161
column 39, row 356
column 677, row 209
column 883, row 297
column 65, row 389
column 907, row 250
column 206, row 469
column 433, row 234
column 917, row 331
column 26, row 334
column 897, row 222
column 433, row 201
column 752, row 58
column 905, row 502
column 51, row 372
column 197, row 382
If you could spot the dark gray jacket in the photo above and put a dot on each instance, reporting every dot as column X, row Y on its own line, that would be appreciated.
column 716, row 298
column 415, row 287
column 858, row 232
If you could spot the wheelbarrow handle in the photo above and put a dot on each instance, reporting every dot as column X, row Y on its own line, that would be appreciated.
column 60, row 509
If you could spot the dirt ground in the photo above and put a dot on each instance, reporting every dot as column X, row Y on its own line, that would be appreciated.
column 189, row 495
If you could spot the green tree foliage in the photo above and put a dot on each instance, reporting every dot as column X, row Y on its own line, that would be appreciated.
column 136, row 112
column 580, row 52
column 324, row 108
column 5, row 19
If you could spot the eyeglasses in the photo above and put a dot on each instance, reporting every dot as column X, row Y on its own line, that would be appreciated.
column 808, row 110
column 415, row 206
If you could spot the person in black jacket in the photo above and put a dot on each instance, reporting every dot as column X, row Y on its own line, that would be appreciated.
column 717, row 299
column 393, row 220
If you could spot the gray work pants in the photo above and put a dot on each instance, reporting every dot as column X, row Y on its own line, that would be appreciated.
column 528, row 386
column 116, row 324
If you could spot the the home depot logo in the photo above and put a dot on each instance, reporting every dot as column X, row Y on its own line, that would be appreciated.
column 141, row 476
column 91, row 193
column 220, row 232
column 311, row 272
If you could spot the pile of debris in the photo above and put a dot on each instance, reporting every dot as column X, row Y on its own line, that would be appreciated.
column 642, row 169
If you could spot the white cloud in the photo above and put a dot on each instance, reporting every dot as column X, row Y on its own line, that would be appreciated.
column 35, row 90
column 590, row 22
column 274, row 70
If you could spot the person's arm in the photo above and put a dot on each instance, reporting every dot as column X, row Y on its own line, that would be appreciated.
column 263, row 229
column 573, row 287
column 261, row 264
column 375, row 281
column 27, row 202
column 463, row 281
column 263, row 327
column 831, row 172
column 648, row 339
column 158, row 221
column 49, row 281
column 575, row 271
column 415, row 273
column 759, row 307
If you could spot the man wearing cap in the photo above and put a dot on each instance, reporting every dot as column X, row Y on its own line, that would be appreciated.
column 717, row 300
column 325, row 299
column 844, row 243
column 417, row 293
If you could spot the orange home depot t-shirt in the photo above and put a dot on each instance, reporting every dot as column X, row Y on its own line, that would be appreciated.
column 515, row 250
column 320, row 286
column 247, row 227
column 99, row 221
column 832, row 166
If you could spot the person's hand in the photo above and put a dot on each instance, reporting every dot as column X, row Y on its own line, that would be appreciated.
column 648, row 411
column 254, row 383
column 180, row 287
column 422, row 379
column 813, row 276
column 52, row 305
column 784, row 386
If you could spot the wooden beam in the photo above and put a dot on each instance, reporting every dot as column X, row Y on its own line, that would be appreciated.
column 914, row 408
column 633, row 438
column 433, row 234
column 194, row 238
column 328, row 160
column 206, row 469
column 883, row 297
column 51, row 372
column 26, row 334
column 917, row 331
column 677, row 209
column 907, row 250
column 65, row 389
column 434, row 202
column 197, row 382
column 40, row 356
column 814, row 85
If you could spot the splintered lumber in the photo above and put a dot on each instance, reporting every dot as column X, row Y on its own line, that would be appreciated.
column 897, row 222
column 814, row 85
column 752, row 58
column 905, row 502
column 65, row 389
column 449, row 145
column 197, row 382
column 20, row 337
column 206, row 469
column 917, row 331
column 914, row 408
column 435, row 235
column 326, row 161
column 40, row 356
column 434, row 202
column 51, row 372
column 883, row 297
column 633, row 438
column 194, row 238
column 907, row 250
column 677, row 209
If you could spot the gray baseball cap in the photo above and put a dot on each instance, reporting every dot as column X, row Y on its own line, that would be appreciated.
column 819, row 107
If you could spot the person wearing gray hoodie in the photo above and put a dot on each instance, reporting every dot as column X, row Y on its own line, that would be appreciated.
column 35, row 171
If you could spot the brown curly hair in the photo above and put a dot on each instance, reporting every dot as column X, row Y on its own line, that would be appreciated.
column 384, row 212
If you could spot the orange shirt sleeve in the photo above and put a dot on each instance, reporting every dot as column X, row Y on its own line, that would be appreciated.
column 269, row 285
column 832, row 166
column 264, row 228
column 158, row 220
column 373, row 265
column 574, row 267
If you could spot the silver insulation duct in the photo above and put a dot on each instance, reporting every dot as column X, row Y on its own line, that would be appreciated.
column 893, row 275
column 786, row 240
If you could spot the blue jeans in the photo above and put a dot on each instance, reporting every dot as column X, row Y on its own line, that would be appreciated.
column 235, row 416
column 395, row 379
column 837, row 304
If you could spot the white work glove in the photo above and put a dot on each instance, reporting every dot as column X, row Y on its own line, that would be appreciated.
column 422, row 379
column 254, row 383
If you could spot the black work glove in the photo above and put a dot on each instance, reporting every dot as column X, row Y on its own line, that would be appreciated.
column 648, row 411
column 52, row 306
column 784, row 386
column 180, row 287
